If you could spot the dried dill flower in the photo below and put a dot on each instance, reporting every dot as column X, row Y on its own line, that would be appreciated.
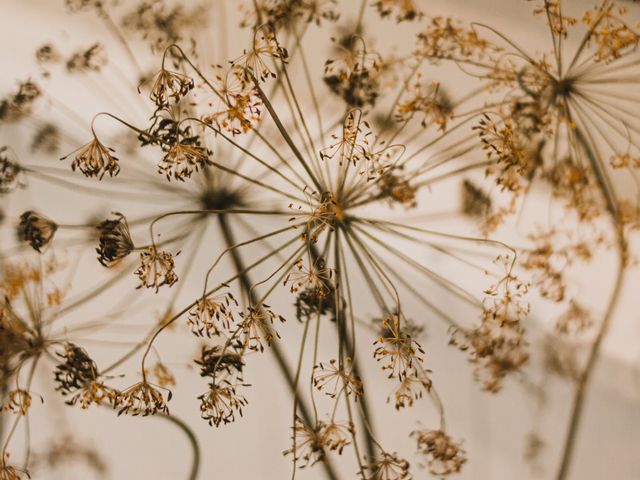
column 182, row 159
column 397, row 189
column 18, row 401
column 315, row 279
column 309, row 447
column 444, row 456
column 397, row 349
column 264, row 47
column 220, row 404
column 115, row 240
column 257, row 327
column 78, row 376
column 156, row 269
column 90, row 60
column 36, row 229
column 142, row 399
column 388, row 466
column 9, row 472
column 95, row 160
column 20, row 104
column 401, row 10
column 9, row 171
column 333, row 378
column 410, row 389
column 211, row 314
column 169, row 85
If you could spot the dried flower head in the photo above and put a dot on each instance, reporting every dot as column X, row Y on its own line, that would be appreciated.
column 410, row 389
column 265, row 46
column 18, row 401
column 444, row 456
column 333, row 379
column 315, row 279
column 169, row 85
column 9, row 172
column 388, row 466
column 156, row 269
column 36, row 229
column 95, row 160
column 396, row 349
column 257, row 327
column 308, row 445
column 401, row 10
column 115, row 240
column 182, row 159
column 19, row 105
column 142, row 399
column 211, row 315
column 221, row 403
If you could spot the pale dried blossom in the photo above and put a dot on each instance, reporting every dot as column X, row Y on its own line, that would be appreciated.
column 169, row 85
column 257, row 327
column 212, row 314
column 20, row 105
column 315, row 279
column 612, row 36
column 401, row 10
column 397, row 189
column 182, row 159
column 444, row 456
column 446, row 38
column 17, row 401
column 333, row 379
column 398, row 352
column 558, row 22
column 36, row 229
column 115, row 240
column 410, row 389
column 264, row 47
column 156, row 269
column 427, row 100
column 9, row 172
column 142, row 399
column 220, row 404
column 388, row 466
column 95, row 160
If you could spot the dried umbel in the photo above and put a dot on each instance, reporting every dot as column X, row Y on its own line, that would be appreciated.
column 220, row 403
column 396, row 349
column 316, row 279
column 95, row 160
column 257, row 327
column 115, row 240
column 36, row 229
column 332, row 378
column 18, row 401
column 264, row 48
column 182, row 159
column 19, row 105
column 142, row 399
column 156, row 269
column 212, row 315
column 309, row 447
column 401, row 10
column 9, row 171
column 444, row 456
column 388, row 466
column 169, row 85
column 9, row 472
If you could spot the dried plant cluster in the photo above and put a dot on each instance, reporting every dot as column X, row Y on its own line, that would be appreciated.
column 296, row 175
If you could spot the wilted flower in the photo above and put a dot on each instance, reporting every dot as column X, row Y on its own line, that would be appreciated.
column 388, row 466
column 333, row 379
column 396, row 349
column 169, row 85
column 212, row 313
column 220, row 404
column 257, row 327
column 36, row 229
column 142, row 399
column 17, row 401
column 308, row 444
column 444, row 456
column 156, row 269
column 115, row 240
column 182, row 159
column 95, row 160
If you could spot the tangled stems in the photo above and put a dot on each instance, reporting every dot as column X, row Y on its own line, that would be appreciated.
column 582, row 382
